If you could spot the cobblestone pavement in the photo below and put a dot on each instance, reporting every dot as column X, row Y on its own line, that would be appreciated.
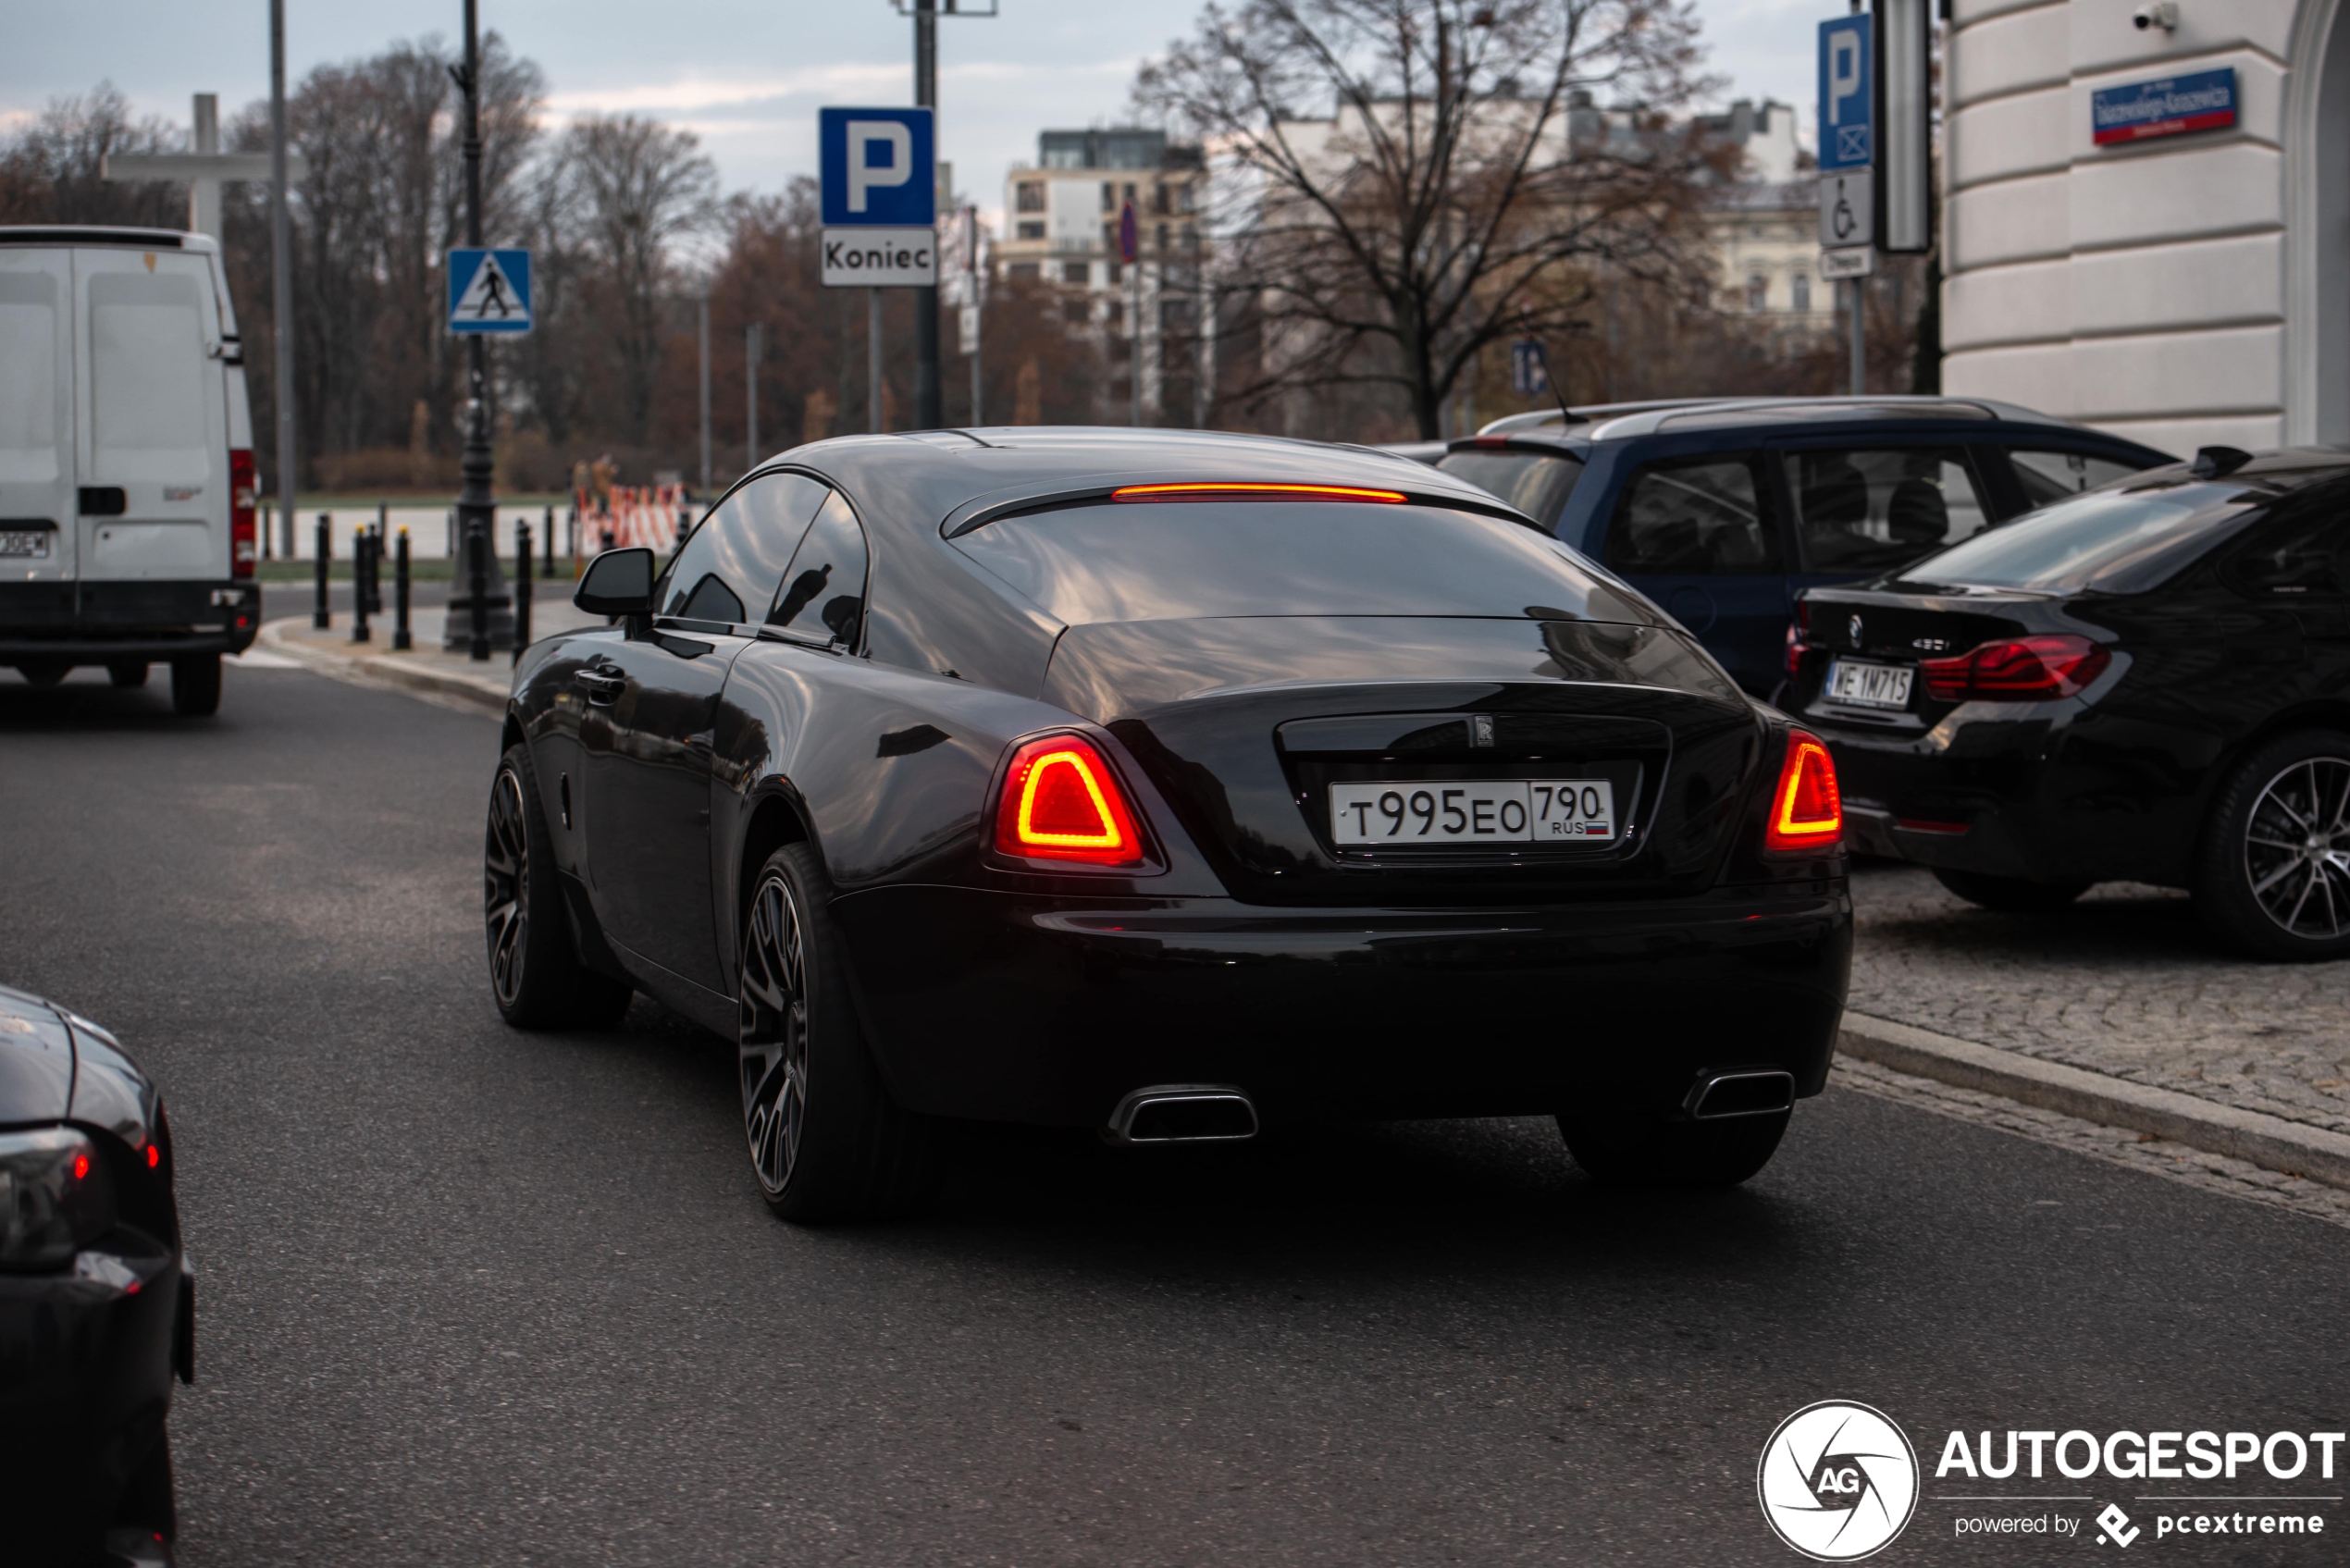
column 2123, row 983
column 2139, row 1151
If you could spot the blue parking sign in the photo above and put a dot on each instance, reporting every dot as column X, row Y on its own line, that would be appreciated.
column 879, row 168
column 1847, row 94
column 488, row 291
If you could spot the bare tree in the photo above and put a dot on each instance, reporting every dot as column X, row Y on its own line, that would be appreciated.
column 1464, row 183
column 49, row 172
column 639, row 187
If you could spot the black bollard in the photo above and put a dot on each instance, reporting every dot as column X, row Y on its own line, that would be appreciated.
column 400, row 641
column 375, row 558
column 521, row 586
column 319, row 619
column 550, row 570
column 359, row 596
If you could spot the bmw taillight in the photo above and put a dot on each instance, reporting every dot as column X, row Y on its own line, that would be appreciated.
column 245, row 544
column 2031, row 669
column 1062, row 801
column 1806, row 813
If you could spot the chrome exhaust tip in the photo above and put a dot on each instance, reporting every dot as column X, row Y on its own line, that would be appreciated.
column 1745, row 1093
column 1183, row 1113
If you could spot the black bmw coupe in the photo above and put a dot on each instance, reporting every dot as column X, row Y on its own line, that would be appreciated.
column 2146, row 681
column 1169, row 785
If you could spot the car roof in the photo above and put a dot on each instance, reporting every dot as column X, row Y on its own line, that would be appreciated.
column 929, row 475
column 1607, row 421
column 104, row 234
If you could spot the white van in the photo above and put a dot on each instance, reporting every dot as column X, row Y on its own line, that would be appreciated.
column 127, row 481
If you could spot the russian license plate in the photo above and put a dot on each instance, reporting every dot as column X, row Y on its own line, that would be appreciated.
column 1459, row 811
column 1869, row 686
column 20, row 542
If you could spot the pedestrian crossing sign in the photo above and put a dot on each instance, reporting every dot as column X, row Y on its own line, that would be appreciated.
column 488, row 291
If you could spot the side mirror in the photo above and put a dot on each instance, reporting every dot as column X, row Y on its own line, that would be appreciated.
column 619, row 581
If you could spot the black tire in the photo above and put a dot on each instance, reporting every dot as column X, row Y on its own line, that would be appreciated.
column 535, row 973
column 46, row 672
column 2011, row 896
column 1626, row 1149
column 826, row 1141
column 128, row 672
column 2272, row 870
column 195, row 685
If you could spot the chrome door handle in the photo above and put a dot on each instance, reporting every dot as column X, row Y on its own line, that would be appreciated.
column 602, row 689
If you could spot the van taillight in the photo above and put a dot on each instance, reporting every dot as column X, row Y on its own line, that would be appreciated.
column 1062, row 802
column 245, row 544
column 2031, row 668
column 1806, row 812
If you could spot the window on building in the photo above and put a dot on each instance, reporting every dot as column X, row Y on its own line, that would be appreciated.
column 1026, row 272
column 1076, row 311
column 1109, row 197
column 1028, row 197
column 1130, row 192
column 1117, row 316
column 1802, row 288
column 1113, row 274
column 1175, row 314
column 1120, row 350
column 1076, row 272
column 1032, row 229
column 1183, row 198
column 1758, row 292
column 1159, row 198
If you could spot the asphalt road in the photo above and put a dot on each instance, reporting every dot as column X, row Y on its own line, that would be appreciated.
column 472, row 1296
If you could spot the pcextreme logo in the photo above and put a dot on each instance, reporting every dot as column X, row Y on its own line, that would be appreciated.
column 1837, row 1481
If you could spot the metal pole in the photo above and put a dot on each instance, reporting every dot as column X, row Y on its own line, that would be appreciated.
column 476, row 505
column 1857, row 302
column 928, row 413
column 400, row 641
column 872, row 362
column 550, row 570
column 1134, row 329
column 978, row 306
column 281, row 267
column 705, row 395
column 752, row 343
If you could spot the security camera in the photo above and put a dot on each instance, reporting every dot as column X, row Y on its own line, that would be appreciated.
column 2147, row 18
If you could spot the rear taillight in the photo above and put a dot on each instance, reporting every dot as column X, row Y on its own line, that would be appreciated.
column 1806, row 811
column 1794, row 652
column 2030, row 669
column 245, row 544
column 1062, row 802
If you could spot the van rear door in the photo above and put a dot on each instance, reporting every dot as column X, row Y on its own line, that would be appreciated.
column 36, row 434
column 152, row 436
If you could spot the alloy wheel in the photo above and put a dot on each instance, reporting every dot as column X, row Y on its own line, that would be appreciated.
column 2296, row 849
column 506, row 885
column 773, row 1033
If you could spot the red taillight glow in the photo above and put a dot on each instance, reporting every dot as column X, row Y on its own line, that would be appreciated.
column 245, row 544
column 1236, row 490
column 1061, row 802
column 154, row 1156
column 2030, row 669
column 80, row 1167
column 1806, row 811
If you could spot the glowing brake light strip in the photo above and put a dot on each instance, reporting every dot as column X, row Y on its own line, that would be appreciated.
column 1807, row 761
column 1109, row 838
column 1221, row 486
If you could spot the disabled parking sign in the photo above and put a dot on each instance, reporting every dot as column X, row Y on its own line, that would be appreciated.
column 488, row 291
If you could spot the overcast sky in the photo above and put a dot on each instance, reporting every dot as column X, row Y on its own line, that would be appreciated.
column 748, row 78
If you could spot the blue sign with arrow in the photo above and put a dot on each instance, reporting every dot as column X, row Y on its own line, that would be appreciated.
column 1847, row 95
column 488, row 291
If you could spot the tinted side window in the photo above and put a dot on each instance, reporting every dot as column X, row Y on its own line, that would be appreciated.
column 1862, row 510
column 2052, row 476
column 1698, row 515
column 1535, row 483
column 823, row 593
column 736, row 558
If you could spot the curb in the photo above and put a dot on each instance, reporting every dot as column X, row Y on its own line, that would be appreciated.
column 2270, row 1141
column 391, row 668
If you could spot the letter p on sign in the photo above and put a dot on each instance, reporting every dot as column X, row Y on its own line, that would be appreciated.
column 866, row 137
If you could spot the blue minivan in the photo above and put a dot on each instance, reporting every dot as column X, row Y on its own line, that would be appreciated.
column 1722, row 510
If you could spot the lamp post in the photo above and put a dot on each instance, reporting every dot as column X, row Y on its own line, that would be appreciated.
column 487, row 620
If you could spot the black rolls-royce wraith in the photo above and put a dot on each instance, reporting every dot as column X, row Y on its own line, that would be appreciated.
column 1169, row 785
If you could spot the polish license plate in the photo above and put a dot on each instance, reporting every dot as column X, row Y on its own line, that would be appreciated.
column 1869, row 685
column 1460, row 811
column 25, row 542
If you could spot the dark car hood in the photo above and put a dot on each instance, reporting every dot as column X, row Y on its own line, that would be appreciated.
column 36, row 1060
column 55, row 1066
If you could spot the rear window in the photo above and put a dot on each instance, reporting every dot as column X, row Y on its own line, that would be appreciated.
column 1536, row 483
column 1174, row 561
column 2118, row 540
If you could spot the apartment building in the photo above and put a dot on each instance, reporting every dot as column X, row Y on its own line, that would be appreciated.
column 1060, row 227
column 1766, row 226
